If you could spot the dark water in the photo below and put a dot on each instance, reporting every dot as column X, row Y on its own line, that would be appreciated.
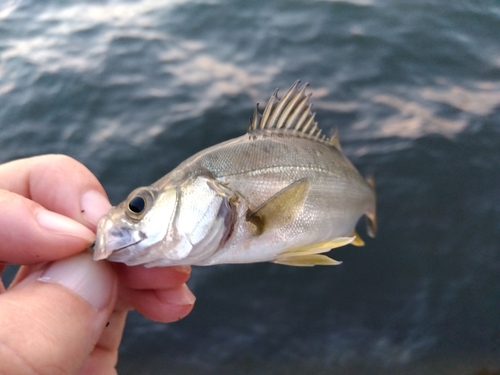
column 132, row 88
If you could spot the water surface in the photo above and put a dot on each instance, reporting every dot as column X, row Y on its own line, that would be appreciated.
column 132, row 88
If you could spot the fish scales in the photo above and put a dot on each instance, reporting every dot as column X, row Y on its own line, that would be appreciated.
column 279, row 193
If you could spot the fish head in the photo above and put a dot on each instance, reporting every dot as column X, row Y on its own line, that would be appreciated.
column 170, row 225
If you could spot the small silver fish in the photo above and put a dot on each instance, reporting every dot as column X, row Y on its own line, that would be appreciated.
column 283, row 193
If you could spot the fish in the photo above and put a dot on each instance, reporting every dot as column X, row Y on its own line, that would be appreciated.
column 282, row 193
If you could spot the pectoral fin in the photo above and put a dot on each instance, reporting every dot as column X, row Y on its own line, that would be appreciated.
column 282, row 208
column 309, row 255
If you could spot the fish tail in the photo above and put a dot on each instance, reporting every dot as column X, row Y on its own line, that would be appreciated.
column 371, row 214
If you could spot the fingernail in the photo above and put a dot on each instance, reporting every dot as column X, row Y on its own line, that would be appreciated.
column 177, row 296
column 182, row 269
column 93, row 281
column 94, row 205
column 60, row 224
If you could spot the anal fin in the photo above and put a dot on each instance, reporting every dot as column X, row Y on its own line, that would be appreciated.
column 309, row 255
column 358, row 241
column 308, row 261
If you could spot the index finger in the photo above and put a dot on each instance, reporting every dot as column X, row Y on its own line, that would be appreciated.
column 58, row 183
column 50, row 204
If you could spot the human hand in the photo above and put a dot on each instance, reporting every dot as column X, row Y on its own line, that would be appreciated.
column 65, row 313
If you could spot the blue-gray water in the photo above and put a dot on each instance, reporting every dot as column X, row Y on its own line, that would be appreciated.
column 132, row 88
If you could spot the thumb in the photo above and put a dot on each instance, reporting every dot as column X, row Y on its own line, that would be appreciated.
column 51, row 321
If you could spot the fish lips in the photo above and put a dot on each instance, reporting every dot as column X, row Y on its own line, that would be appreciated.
column 110, row 242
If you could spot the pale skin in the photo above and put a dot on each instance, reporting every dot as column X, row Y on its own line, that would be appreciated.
column 65, row 313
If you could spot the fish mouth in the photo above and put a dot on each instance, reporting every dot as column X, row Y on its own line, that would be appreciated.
column 131, row 244
column 111, row 240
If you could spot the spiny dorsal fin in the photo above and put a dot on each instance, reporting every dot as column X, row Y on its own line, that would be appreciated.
column 290, row 115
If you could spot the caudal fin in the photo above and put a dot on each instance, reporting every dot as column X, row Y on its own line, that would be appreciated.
column 371, row 214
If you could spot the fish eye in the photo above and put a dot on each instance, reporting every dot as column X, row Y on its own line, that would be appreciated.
column 137, row 204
